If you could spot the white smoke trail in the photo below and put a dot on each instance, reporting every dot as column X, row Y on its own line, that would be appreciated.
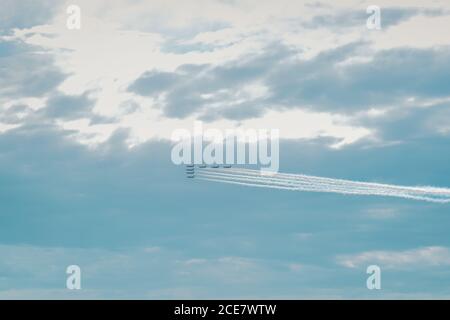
column 300, row 182
column 346, row 183
column 302, row 186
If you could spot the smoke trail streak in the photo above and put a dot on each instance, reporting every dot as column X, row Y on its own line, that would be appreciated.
column 248, row 184
column 306, row 189
column 369, row 187
column 302, row 186
column 300, row 182
column 246, row 181
column 330, row 187
column 424, row 189
column 347, row 183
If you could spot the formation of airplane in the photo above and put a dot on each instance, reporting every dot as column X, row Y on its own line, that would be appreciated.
column 190, row 168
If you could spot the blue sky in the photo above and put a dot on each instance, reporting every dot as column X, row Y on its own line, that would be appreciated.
column 86, row 176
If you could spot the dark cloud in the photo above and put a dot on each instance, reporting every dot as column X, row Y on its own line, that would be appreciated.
column 323, row 83
column 26, row 13
column 14, row 114
column 26, row 71
column 68, row 106
column 389, row 78
column 152, row 82
column 56, row 193
column 410, row 123
column 208, row 89
column 59, row 193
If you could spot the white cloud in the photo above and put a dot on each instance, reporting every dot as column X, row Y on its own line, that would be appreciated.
column 120, row 40
column 433, row 256
column 418, row 32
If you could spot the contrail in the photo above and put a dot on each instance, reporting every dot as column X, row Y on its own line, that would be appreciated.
column 301, row 182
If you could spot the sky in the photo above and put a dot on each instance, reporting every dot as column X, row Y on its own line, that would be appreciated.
column 87, row 115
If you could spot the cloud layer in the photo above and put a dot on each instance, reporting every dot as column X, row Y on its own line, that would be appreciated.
column 85, row 121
